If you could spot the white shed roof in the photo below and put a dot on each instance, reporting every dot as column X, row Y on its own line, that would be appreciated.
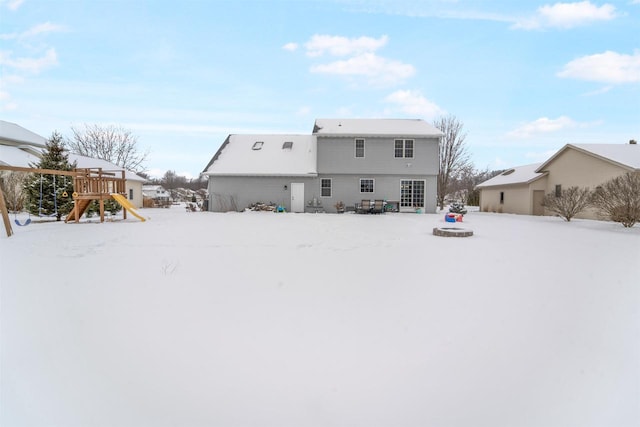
column 520, row 175
column 239, row 157
column 375, row 127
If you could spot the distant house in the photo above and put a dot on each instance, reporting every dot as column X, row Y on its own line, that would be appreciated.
column 157, row 194
column 345, row 160
column 521, row 190
column 22, row 148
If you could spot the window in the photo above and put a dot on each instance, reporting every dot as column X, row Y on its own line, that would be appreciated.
column 288, row 145
column 366, row 185
column 131, row 194
column 325, row 187
column 359, row 147
column 502, row 197
column 403, row 148
column 558, row 190
column 257, row 145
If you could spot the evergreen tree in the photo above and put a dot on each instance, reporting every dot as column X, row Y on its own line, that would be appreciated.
column 51, row 195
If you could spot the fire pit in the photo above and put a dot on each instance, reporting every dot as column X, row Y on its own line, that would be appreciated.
column 452, row 232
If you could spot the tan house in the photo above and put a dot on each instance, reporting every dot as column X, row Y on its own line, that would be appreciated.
column 521, row 190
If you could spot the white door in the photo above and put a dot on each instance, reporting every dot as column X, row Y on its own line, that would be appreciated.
column 297, row 197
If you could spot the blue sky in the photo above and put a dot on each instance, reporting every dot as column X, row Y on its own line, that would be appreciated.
column 525, row 77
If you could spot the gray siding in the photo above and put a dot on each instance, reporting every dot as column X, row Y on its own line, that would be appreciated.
column 346, row 188
column 229, row 193
column 337, row 155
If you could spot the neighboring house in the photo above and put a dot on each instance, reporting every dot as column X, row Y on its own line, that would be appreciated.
column 23, row 148
column 344, row 160
column 157, row 193
column 521, row 190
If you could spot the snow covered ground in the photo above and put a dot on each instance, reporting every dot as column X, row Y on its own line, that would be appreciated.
column 263, row 319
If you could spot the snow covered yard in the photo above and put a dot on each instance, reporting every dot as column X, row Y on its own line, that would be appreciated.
column 262, row 319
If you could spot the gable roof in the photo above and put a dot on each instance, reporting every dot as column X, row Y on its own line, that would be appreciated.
column 16, row 156
column 17, row 135
column 375, row 127
column 237, row 156
column 625, row 155
column 520, row 175
column 107, row 166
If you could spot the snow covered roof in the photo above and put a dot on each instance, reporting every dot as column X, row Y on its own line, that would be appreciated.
column 90, row 162
column 15, row 156
column 13, row 133
column 626, row 155
column 375, row 127
column 265, row 155
column 520, row 175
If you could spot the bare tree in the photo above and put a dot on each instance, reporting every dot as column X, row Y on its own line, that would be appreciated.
column 454, row 157
column 619, row 199
column 569, row 202
column 12, row 183
column 112, row 143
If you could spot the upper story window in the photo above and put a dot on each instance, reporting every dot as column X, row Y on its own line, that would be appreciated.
column 403, row 148
column 359, row 147
column 257, row 145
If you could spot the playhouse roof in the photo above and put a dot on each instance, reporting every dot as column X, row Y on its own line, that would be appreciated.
column 265, row 155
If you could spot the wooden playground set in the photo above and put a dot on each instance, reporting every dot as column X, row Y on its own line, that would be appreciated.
column 88, row 184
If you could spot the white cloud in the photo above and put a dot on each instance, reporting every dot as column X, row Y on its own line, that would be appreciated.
column 13, row 4
column 600, row 91
column 540, row 156
column 414, row 104
column 607, row 67
column 343, row 46
column 31, row 65
column 567, row 15
column 44, row 28
column 291, row 47
column 378, row 70
column 6, row 103
column 303, row 111
column 543, row 125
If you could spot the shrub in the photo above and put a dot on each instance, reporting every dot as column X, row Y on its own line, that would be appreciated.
column 569, row 203
column 619, row 199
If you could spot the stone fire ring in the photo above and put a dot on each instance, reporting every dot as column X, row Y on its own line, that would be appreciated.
column 452, row 232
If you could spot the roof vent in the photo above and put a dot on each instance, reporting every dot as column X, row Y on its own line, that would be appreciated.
column 508, row 172
column 288, row 145
column 257, row 145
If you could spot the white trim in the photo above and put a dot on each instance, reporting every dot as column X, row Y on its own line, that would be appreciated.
column 355, row 148
column 404, row 148
column 330, row 187
column 373, row 181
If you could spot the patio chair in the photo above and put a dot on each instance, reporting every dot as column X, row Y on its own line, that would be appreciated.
column 364, row 207
column 378, row 207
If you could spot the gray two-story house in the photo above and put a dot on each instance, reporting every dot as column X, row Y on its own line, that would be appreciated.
column 343, row 160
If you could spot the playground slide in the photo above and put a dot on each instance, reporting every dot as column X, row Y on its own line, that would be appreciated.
column 127, row 205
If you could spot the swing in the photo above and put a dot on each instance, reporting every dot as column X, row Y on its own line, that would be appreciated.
column 55, row 200
column 17, row 221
